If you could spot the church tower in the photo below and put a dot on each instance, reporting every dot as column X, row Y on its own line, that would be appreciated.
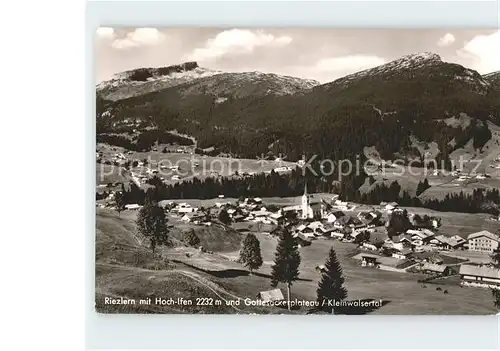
column 305, row 203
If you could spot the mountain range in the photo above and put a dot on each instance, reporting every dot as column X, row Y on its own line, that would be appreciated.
column 389, row 107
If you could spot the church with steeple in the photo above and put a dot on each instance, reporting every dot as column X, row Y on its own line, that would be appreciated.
column 310, row 209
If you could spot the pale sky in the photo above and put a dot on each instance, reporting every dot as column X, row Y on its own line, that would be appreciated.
column 320, row 54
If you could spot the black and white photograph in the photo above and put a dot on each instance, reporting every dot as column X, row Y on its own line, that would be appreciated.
column 297, row 171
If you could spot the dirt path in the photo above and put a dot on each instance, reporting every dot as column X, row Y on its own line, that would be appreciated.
column 217, row 290
column 211, row 286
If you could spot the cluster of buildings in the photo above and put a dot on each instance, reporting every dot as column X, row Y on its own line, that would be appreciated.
column 246, row 210
column 419, row 250
column 463, row 176
column 416, row 249
column 116, row 158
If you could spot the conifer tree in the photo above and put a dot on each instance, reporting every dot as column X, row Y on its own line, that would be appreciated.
column 119, row 202
column 190, row 238
column 152, row 223
column 224, row 217
column 250, row 255
column 331, row 286
column 495, row 257
column 286, row 262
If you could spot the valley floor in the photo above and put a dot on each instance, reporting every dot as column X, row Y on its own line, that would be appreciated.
column 125, row 268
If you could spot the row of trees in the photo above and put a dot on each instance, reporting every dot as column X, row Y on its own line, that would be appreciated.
column 286, row 268
column 262, row 185
column 144, row 141
column 478, row 201
column 286, row 185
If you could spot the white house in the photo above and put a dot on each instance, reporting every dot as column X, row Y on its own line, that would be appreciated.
column 402, row 255
column 283, row 169
column 337, row 235
column 483, row 241
column 401, row 242
column 421, row 233
column 271, row 295
column 187, row 217
column 331, row 218
column 391, row 207
column 315, row 225
column 369, row 246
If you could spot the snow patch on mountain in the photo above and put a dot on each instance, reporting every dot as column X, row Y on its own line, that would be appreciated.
column 145, row 80
column 411, row 63
column 244, row 84
column 194, row 79
column 493, row 79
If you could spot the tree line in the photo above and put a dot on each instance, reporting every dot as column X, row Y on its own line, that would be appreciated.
column 293, row 183
column 478, row 201
column 144, row 141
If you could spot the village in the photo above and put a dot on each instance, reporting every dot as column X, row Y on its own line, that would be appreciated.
column 388, row 243
column 420, row 248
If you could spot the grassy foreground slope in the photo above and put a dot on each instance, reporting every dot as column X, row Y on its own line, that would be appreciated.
column 127, row 269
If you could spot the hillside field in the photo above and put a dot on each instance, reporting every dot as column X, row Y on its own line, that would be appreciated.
column 190, row 165
column 121, row 261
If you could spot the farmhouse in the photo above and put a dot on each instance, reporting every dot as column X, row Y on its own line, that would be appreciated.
column 331, row 218
column 192, row 217
column 282, row 169
column 316, row 225
column 483, row 241
column 368, row 260
column 480, row 276
column 401, row 242
column 420, row 237
column 303, row 241
column 402, row 254
column 421, row 233
column 293, row 208
column 433, row 268
column 449, row 243
column 307, row 232
column 369, row 246
column 271, row 295
column 369, row 217
column 389, row 207
column 186, row 209
column 337, row 235
column 428, row 256
column 347, row 221
column 457, row 242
